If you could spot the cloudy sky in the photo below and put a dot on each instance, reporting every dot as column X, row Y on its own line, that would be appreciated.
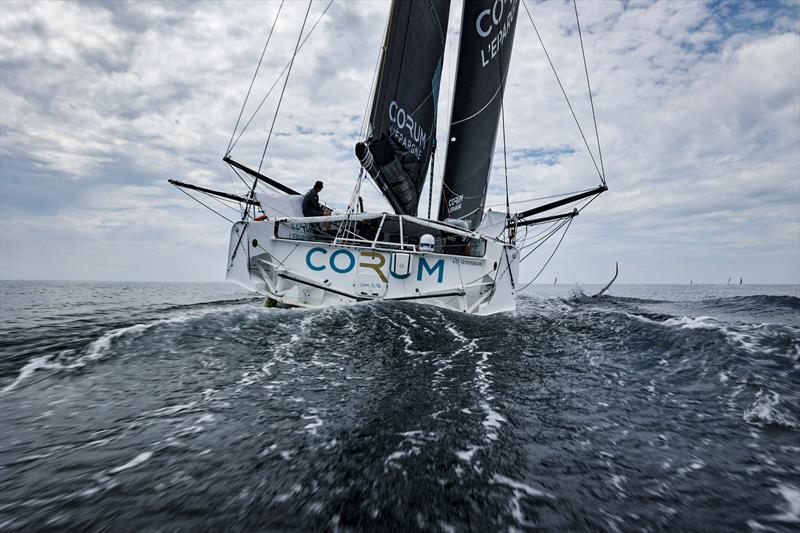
column 698, row 108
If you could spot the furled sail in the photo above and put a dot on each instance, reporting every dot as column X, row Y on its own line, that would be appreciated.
column 403, row 117
column 487, row 35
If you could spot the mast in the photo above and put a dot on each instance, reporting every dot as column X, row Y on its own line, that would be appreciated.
column 402, row 121
column 487, row 37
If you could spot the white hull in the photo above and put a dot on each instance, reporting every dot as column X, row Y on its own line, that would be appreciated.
column 278, row 259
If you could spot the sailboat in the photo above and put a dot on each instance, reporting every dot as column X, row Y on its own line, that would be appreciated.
column 465, row 259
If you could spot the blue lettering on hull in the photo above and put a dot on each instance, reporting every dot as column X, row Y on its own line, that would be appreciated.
column 437, row 266
column 351, row 261
column 312, row 266
column 343, row 266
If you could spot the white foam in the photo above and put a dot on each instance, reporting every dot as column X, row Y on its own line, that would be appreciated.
column 455, row 333
column 791, row 511
column 312, row 427
column 492, row 421
column 617, row 481
column 447, row 528
column 756, row 526
column 102, row 442
column 248, row 378
column 394, row 456
column 36, row 363
column 415, row 433
column 745, row 335
column 765, row 409
column 96, row 349
column 518, row 485
column 296, row 488
column 685, row 322
column 467, row 454
column 172, row 409
column 93, row 352
column 34, row 457
column 136, row 461
column 269, row 449
column 694, row 465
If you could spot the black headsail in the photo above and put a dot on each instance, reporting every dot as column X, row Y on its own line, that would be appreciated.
column 403, row 117
column 487, row 35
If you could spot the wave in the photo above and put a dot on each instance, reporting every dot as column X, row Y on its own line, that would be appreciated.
column 205, row 305
column 97, row 349
column 758, row 339
column 577, row 295
column 757, row 300
column 767, row 409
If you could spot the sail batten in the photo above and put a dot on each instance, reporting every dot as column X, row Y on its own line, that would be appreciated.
column 402, row 122
column 487, row 37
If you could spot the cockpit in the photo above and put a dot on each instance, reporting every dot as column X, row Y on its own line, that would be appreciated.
column 383, row 231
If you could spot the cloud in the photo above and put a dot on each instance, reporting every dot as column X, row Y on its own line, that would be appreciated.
column 698, row 108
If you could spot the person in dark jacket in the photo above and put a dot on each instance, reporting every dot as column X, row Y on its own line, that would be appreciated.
column 311, row 207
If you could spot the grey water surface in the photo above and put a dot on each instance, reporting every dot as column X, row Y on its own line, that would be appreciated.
column 190, row 407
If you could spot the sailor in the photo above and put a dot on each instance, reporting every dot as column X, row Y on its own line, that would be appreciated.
column 311, row 207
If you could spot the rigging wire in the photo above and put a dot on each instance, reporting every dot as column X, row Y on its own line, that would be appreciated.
column 541, row 241
column 443, row 37
column 283, row 90
column 564, row 210
column 275, row 83
column 222, row 202
column 569, row 223
column 505, row 160
column 252, row 81
column 204, row 205
column 535, row 238
column 351, row 204
column 479, row 111
column 372, row 85
column 592, row 199
column 505, row 157
column 591, row 100
column 563, row 91
column 538, row 242
column 233, row 183
column 246, row 184
column 441, row 156
column 541, row 198
column 430, row 186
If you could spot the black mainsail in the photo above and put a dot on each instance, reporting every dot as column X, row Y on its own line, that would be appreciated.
column 402, row 122
column 487, row 35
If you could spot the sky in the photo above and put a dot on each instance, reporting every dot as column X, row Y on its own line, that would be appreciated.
column 697, row 103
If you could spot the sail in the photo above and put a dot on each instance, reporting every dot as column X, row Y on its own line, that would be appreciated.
column 487, row 35
column 403, row 117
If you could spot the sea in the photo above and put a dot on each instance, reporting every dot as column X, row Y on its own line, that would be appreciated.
column 192, row 407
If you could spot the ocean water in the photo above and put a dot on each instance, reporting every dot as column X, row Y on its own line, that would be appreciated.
column 190, row 407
